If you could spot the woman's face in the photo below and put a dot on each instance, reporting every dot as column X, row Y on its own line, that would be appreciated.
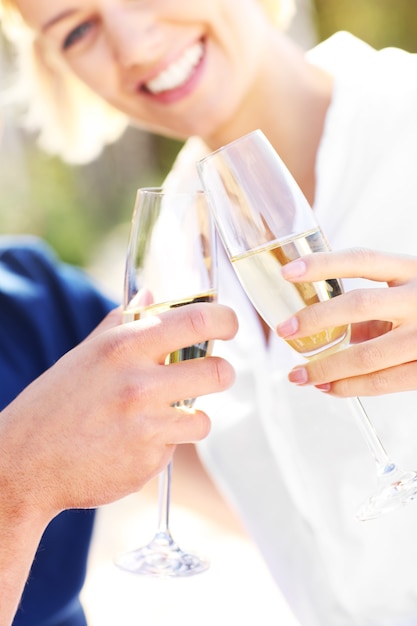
column 178, row 68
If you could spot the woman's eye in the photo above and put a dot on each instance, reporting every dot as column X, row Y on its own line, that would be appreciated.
column 76, row 35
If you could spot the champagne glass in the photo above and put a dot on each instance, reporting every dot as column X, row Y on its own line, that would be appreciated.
column 171, row 262
column 265, row 221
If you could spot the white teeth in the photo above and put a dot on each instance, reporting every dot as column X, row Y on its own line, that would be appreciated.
column 177, row 73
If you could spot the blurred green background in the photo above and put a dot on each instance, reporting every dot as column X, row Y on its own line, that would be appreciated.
column 379, row 22
column 84, row 211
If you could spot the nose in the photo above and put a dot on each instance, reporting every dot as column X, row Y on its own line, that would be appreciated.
column 134, row 34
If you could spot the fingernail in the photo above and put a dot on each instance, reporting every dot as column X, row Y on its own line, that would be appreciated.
column 324, row 387
column 287, row 328
column 294, row 269
column 298, row 376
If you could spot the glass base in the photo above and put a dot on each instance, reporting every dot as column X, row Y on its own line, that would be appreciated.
column 395, row 489
column 162, row 558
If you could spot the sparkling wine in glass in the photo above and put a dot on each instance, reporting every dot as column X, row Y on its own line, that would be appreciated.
column 265, row 221
column 171, row 262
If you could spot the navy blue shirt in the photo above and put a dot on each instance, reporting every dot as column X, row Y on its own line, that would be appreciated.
column 46, row 308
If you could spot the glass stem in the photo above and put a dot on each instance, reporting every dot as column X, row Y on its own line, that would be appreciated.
column 382, row 460
column 164, row 498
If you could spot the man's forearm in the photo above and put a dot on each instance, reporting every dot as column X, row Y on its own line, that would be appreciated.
column 19, row 540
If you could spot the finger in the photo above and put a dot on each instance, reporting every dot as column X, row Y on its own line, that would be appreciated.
column 386, row 351
column 361, row 305
column 363, row 331
column 186, row 426
column 184, row 326
column 165, row 385
column 352, row 263
column 198, row 377
column 394, row 379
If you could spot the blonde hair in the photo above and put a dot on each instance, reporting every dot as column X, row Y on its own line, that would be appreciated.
column 70, row 120
column 280, row 12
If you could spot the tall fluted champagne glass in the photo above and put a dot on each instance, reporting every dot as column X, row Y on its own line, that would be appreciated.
column 265, row 221
column 171, row 262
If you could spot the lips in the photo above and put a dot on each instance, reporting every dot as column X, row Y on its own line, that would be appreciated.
column 178, row 73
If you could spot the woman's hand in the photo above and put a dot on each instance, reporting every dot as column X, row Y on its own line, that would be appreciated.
column 382, row 357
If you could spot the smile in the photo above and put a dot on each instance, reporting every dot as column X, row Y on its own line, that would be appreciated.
column 178, row 73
